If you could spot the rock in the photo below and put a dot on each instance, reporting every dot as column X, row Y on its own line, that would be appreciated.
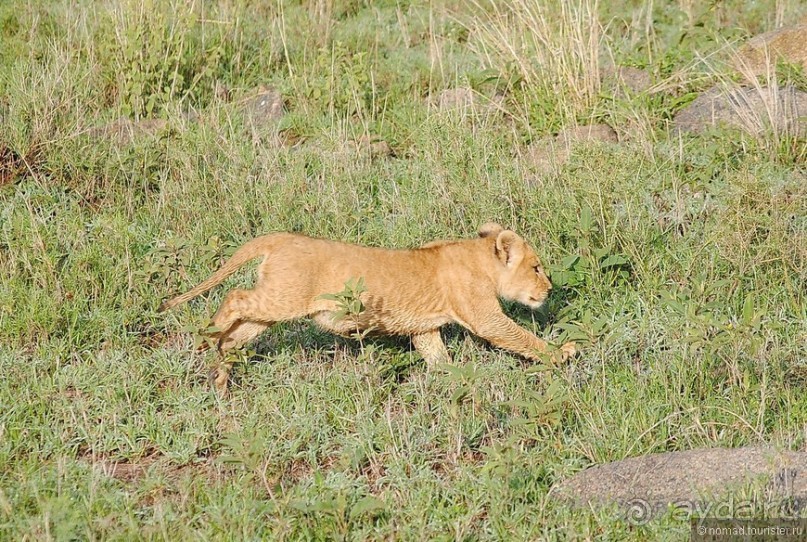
column 628, row 80
column 374, row 147
column 590, row 132
column 456, row 98
column 466, row 100
column 690, row 481
column 124, row 130
column 263, row 108
column 788, row 43
column 550, row 153
column 750, row 109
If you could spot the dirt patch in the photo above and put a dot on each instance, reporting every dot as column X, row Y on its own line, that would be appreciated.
column 12, row 164
column 133, row 471
column 125, row 471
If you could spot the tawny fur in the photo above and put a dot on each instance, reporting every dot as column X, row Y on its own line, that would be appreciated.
column 408, row 292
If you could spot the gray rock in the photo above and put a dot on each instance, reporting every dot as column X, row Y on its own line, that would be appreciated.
column 753, row 110
column 691, row 481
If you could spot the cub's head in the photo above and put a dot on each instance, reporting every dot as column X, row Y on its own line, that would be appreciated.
column 521, row 275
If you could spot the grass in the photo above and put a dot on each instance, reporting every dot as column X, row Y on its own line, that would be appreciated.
column 679, row 264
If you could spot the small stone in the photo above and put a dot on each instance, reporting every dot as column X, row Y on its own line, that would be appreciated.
column 263, row 108
column 373, row 146
column 221, row 91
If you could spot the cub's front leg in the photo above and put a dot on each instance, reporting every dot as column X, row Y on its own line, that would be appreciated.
column 499, row 330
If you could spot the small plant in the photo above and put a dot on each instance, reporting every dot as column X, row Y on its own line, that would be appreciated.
column 350, row 306
column 540, row 410
column 160, row 52
column 249, row 456
column 170, row 259
column 467, row 379
column 577, row 269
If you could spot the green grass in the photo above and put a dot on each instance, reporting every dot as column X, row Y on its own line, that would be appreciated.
column 679, row 265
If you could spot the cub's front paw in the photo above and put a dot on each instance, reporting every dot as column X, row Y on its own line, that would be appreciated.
column 568, row 351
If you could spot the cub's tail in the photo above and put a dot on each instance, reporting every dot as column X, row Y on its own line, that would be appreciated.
column 252, row 249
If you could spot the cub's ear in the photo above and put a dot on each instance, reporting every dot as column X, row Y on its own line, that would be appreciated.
column 509, row 247
column 489, row 228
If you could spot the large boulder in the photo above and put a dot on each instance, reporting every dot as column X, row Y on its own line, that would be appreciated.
column 787, row 43
column 752, row 109
column 693, row 481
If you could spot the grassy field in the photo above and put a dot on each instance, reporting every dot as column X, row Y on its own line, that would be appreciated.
column 680, row 264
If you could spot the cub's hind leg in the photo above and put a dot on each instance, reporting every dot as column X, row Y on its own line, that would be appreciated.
column 241, row 317
column 431, row 347
column 237, row 335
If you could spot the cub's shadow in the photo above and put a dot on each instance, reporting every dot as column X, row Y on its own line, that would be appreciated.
column 400, row 358
column 307, row 335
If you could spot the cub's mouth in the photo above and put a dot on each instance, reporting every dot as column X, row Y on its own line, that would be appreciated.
column 536, row 301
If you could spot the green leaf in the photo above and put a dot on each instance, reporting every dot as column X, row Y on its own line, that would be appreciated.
column 453, row 370
column 460, row 394
column 537, row 369
column 324, row 505
column 586, row 221
column 569, row 261
column 748, row 308
column 613, row 260
column 367, row 505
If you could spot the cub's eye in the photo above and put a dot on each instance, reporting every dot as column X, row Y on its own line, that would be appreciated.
column 538, row 269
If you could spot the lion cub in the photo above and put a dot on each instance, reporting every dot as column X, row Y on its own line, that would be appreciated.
column 408, row 292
